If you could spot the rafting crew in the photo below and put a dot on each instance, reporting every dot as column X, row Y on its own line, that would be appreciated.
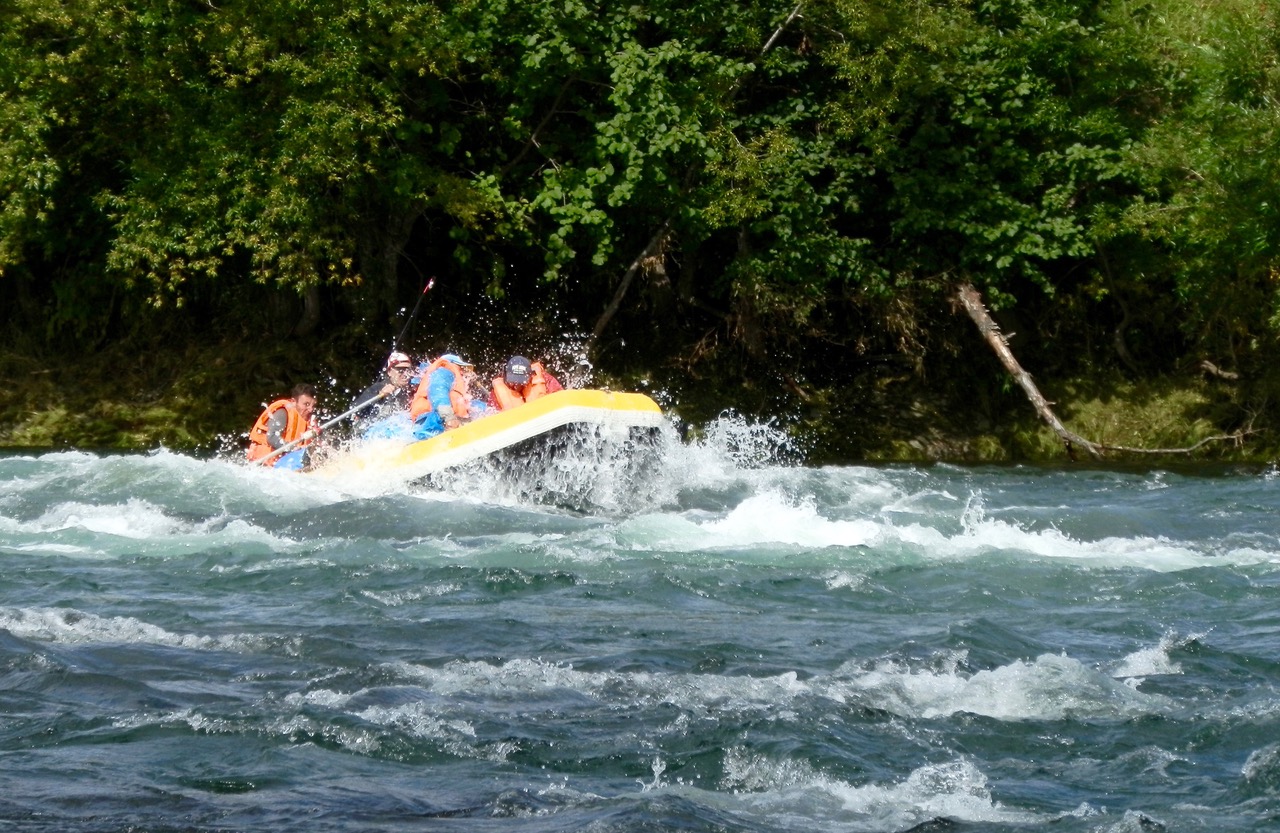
column 444, row 398
column 403, row 404
column 282, row 423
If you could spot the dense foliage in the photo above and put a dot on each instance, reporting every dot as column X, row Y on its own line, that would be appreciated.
column 791, row 188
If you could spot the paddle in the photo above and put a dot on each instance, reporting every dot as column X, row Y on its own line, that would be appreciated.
column 311, row 434
column 430, row 283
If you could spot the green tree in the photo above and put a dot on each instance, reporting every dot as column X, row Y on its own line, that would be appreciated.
column 1207, row 217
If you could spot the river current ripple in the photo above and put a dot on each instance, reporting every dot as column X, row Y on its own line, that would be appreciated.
column 735, row 644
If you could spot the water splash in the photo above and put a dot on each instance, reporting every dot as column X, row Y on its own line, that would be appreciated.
column 795, row 795
column 1153, row 661
column 602, row 469
column 69, row 626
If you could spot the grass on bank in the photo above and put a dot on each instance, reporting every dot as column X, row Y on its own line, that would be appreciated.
column 1154, row 414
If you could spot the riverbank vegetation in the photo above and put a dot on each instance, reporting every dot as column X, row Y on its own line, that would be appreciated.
column 768, row 210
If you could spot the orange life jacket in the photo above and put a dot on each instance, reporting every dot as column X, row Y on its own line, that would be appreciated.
column 506, row 396
column 459, row 396
column 295, row 428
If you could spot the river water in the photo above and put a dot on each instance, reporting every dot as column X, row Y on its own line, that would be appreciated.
column 735, row 643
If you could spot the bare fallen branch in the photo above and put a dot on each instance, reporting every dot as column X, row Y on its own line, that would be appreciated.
column 972, row 303
column 1213, row 370
column 971, row 300
column 1237, row 437
column 777, row 34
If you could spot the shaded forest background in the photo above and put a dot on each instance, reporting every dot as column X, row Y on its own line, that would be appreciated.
column 761, row 207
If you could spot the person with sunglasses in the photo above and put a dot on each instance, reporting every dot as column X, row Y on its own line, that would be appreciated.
column 387, row 397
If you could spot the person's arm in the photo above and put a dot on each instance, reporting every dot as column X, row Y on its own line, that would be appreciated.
column 447, row 415
column 438, row 388
column 371, row 393
column 276, row 427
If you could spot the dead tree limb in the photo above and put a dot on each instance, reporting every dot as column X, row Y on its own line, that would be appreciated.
column 777, row 34
column 972, row 303
column 1237, row 437
column 1212, row 369
column 532, row 141
column 971, row 300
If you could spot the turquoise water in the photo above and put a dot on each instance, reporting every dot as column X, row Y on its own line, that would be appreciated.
column 731, row 643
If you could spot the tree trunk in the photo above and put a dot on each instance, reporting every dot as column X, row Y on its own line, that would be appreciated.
column 380, row 245
column 660, row 237
column 971, row 300
column 310, row 312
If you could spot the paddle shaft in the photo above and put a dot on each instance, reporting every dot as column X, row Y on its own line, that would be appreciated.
column 430, row 283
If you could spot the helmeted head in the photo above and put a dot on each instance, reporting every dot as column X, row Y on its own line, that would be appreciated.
column 399, row 369
column 517, row 372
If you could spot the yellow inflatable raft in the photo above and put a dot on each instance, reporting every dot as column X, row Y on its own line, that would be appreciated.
column 517, row 428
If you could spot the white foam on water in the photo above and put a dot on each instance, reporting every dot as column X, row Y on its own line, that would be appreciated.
column 949, row 530
column 661, row 531
column 521, row 680
column 769, row 518
column 136, row 519
column 158, row 504
column 759, row 520
column 292, row 727
column 792, row 795
column 844, row 580
column 1156, row 554
column 70, row 626
column 1154, row 660
column 1050, row 687
column 418, row 719
column 160, row 475
column 133, row 527
column 324, row 697
column 291, row 491
column 256, row 488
